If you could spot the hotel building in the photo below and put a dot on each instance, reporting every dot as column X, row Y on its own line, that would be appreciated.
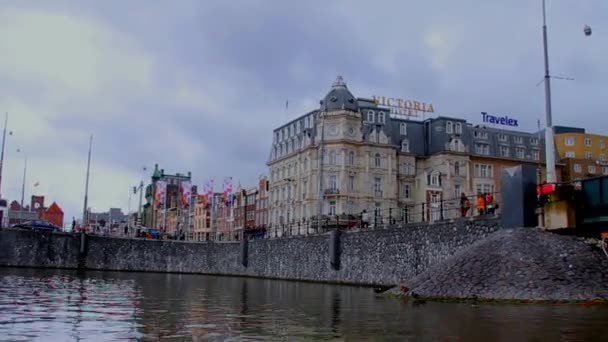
column 359, row 156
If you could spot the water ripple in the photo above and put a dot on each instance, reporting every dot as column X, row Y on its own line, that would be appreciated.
column 56, row 305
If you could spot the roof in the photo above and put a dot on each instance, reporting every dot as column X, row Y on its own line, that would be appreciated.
column 54, row 209
column 339, row 98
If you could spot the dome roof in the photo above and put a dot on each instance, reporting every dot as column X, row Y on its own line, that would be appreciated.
column 339, row 98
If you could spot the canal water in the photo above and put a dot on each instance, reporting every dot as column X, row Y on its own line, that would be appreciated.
column 60, row 305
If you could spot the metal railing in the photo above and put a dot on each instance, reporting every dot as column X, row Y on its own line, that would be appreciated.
column 378, row 218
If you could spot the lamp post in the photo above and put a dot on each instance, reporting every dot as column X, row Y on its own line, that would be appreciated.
column 23, row 188
column 321, row 156
column 85, row 212
column 2, row 152
column 549, row 143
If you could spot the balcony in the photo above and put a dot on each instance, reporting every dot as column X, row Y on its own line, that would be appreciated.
column 378, row 193
column 331, row 191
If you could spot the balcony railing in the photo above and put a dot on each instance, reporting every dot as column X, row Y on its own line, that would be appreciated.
column 331, row 191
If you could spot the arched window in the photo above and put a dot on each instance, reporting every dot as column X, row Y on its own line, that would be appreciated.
column 377, row 160
column 289, row 171
column 332, row 158
column 448, row 127
column 381, row 117
column 458, row 128
column 457, row 168
column 403, row 128
column 370, row 116
column 305, row 164
column 405, row 145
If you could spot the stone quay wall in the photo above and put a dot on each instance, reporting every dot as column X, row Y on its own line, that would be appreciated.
column 368, row 257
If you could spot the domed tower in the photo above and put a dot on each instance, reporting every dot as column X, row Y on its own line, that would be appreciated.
column 339, row 98
column 339, row 114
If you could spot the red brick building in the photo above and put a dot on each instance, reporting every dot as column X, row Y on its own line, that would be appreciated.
column 54, row 215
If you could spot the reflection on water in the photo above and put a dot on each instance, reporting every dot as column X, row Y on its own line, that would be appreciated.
column 57, row 305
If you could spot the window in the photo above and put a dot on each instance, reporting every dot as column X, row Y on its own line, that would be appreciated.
column 504, row 151
column 350, row 207
column 370, row 116
column 533, row 141
column 406, row 191
column 536, row 154
column 587, row 142
column 276, row 137
column 289, row 171
column 482, row 149
column 351, row 183
column 305, row 164
column 300, row 126
column 602, row 157
column 403, row 128
column 408, row 169
column 304, row 187
column 577, row 168
column 377, row 160
column 457, row 190
column 569, row 141
column 378, row 187
column 480, row 135
column 518, row 140
column 434, row 179
column 289, row 147
column 289, row 192
column 449, row 127
column 520, row 153
column 458, row 128
column 588, row 155
column 405, row 145
column 456, row 145
column 591, row 169
column 381, row 117
column 602, row 144
column 605, row 170
column 570, row 154
column 332, row 158
column 332, row 207
column 483, row 170
column 457, row 168
column 351, row 158
column 502, row 137
column 333, row 182
column 484, row 188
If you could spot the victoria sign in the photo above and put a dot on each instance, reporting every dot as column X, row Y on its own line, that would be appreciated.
column 401, row 107
column 499, row 120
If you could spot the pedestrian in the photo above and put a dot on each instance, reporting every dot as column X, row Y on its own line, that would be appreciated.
column 364, row 219
column 490, row 206
column 73, row 223
column 481, row 203
column 465, row 205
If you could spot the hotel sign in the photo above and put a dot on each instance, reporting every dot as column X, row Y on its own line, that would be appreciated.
column 401, row 107
column 499, row 120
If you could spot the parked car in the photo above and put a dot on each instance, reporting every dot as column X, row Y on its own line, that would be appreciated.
column 37, row 225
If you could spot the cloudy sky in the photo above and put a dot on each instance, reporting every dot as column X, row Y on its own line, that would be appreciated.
column 199, row 85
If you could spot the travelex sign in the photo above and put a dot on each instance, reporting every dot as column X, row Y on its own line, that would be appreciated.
column 403, row 107
column 499, row 120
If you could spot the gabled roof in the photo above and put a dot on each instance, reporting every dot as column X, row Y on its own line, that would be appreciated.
column 54, row 209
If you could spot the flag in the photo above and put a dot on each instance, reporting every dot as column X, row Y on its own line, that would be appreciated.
column 186, row 188
column 227, row 189
column 161, row 189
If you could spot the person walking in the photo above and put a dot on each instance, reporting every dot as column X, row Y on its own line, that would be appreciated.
column 481, row 203
column 364, row 219
column 465, row 205
column 489, row 202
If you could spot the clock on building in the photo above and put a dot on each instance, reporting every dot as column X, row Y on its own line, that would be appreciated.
column 351, row 131
column 36, row 205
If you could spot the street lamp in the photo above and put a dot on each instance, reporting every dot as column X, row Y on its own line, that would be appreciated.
column 2, row 152
column 22, row 186
column 549, row 142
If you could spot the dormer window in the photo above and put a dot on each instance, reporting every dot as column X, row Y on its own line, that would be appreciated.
column 449, row 127
column 434, row 179
column 403, row 128
column 370, row 116
column 381, row 117
column 405, row 145
column 458, row 128
column 377, row 160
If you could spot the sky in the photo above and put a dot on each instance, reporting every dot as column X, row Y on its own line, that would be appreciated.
column 200, row 85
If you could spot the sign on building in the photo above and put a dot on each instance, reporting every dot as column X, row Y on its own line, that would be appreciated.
column 403, row 108
column 499, row 120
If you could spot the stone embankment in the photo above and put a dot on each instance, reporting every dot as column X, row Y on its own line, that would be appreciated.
column 519, row 264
